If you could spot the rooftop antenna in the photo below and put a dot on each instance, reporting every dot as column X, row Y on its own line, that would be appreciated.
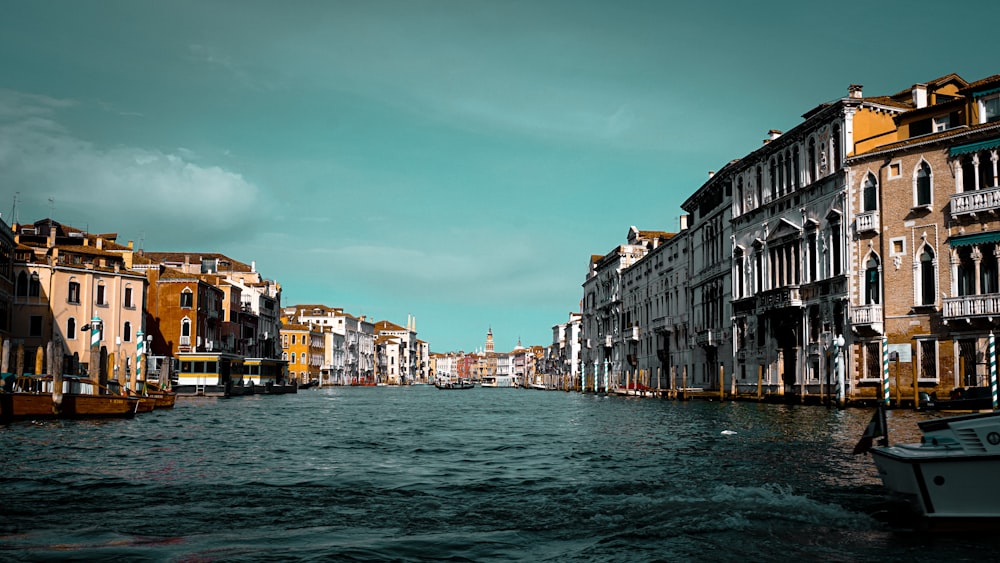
column 13, row 210
column 52, row 210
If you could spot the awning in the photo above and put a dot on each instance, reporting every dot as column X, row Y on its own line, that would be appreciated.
column 974, row 147
column 985, row 93
column 978, row 238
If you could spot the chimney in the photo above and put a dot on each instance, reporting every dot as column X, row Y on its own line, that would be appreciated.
column 710, row 174
column 100, row 242
column 253, row 266
column 684, row 222
column 772, row 134
column 920, row 95
column 130, row 245
column 854, row 91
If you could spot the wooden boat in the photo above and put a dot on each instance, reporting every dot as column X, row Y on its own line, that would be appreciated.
column 20, row 405
column 98, row 406
column 164, row 399
column 949, row 476
column 454, row 384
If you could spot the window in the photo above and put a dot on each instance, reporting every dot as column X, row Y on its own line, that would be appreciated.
column 835, row 243
column 22, row 285
column 187, row 298
column 897, row 246
column 35, row 326
column 811, row 161
column 294, row 339
column 73, row 292
column 127, row 332
column 989, row 109
column 942, row 123
column 966, row 272
column 870, row 193
column 835, row 140
column 928, row 359
column 895, row 170
column 872, row 281
column 34, row 288
column 293, row 357
column 71, row 329
column 928, row 289
column 101, row 298
column 873, row 360
column 128, row 297
column 988, row 273
column 923, row 184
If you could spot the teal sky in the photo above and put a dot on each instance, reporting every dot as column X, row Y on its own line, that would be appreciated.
column 458, row 161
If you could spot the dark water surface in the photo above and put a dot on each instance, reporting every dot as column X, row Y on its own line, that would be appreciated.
column 415, row 473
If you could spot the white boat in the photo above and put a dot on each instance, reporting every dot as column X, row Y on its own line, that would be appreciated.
column 950, row 476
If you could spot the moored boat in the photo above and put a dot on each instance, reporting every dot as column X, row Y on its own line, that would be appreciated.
column 949, row 476
column 78, row 405
column 454, row 384
column 25, row 397
column 163, row 399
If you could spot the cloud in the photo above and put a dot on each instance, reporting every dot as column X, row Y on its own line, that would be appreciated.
column 126, row 188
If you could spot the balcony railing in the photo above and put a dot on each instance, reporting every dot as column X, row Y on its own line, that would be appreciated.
column 866, row 314
column 779, row 298
column 185, row 341
column 972, row 306
column 975, row 201
column 868, row 221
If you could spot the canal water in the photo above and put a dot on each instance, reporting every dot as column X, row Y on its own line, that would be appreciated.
column 397, row 474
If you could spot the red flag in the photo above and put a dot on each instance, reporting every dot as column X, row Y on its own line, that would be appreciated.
column 874, row 430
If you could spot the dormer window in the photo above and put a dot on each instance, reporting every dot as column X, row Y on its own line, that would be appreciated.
column 989, row 109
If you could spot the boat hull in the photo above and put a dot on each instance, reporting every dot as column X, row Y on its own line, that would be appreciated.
column 164, row 399
column 20, row 406
column 942, row 487
column 98, row 406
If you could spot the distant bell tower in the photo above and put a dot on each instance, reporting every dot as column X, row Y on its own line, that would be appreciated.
column 489, row 341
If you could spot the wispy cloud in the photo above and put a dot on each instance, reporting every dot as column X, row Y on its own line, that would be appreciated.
column 129, row 187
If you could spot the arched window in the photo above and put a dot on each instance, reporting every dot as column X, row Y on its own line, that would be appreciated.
column 739, row 195
column 127, row 332
column 71, row 329
column 872, row 285
column 796, row 169
column 835, row 142
column 870, row 192
column 811, row 169
column 923, row 184
column 34, row 288
column 966, row 272
column 988, row 272
column 759, row 184
column 928, row 278
column 293, row 357
column 22, row 285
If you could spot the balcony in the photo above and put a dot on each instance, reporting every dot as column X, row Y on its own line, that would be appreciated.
column 866, row 315
column 867, row 221
column 978, row 201
column 185, row 341
column 971, row 306
column 633, row 334
column 780, row 298
column 706, row 337
column 607, row 341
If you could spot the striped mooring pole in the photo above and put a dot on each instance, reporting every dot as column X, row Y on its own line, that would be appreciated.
column 993, row 369
column 885, row 370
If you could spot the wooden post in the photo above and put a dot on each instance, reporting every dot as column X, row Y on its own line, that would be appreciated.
column 673, row 382
column 760, row 381
column 722, row 382
column 916, row 387
column 684, row 383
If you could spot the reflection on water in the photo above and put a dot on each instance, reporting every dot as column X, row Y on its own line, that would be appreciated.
column 417, row 473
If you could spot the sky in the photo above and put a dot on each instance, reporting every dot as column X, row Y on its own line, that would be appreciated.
column 454, row 161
